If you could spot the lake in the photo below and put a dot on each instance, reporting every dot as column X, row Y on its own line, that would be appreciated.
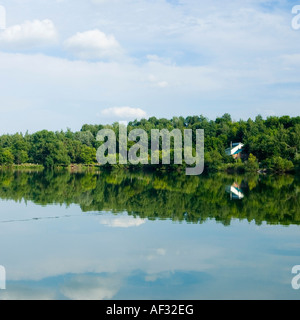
column 130, row 235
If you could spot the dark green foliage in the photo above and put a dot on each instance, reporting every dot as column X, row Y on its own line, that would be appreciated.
column 274, row 142
column 49, row 149
column 279, row 164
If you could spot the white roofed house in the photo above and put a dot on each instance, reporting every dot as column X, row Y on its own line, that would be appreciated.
column 235, row 150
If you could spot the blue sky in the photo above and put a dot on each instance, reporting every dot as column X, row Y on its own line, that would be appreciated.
column 64, row 63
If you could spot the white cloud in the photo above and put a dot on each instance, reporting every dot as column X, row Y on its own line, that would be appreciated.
column 155, row 276
column 124, row 112
column 201, row 58
column 122, row 221
column 93, row 44
column 83, row 287
column 160, row 252
column 157, row 83
column 29, row 34
column 162, row 84
column 156, row 58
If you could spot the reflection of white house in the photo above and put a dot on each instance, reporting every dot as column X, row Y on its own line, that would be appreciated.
column 235, row 192
column 235, row 150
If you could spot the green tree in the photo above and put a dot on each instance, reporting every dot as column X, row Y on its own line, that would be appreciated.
column 87, row 155
column 6, row 156
column 48, row 150
column 279, row 164
column 252, row 163
column 85, row 137
column 21, row 157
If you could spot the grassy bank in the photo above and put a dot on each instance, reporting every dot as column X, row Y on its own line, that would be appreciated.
column 235, row 167
column 23, row 167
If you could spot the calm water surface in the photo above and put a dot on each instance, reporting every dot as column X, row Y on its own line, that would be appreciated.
column 148, row 236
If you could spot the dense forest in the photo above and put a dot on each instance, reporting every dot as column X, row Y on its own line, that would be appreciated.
column 151, row 195
column 271, row 143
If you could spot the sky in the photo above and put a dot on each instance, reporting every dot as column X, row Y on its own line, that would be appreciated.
column 64, row 63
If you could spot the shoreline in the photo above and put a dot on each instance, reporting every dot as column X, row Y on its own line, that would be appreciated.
column 81, row 168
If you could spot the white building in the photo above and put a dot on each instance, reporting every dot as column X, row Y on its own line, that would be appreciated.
column 235, row 150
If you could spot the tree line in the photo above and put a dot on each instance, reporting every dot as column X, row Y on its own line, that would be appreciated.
column 272, row 143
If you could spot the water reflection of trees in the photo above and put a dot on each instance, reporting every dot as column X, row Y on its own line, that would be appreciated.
column 273, row 199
